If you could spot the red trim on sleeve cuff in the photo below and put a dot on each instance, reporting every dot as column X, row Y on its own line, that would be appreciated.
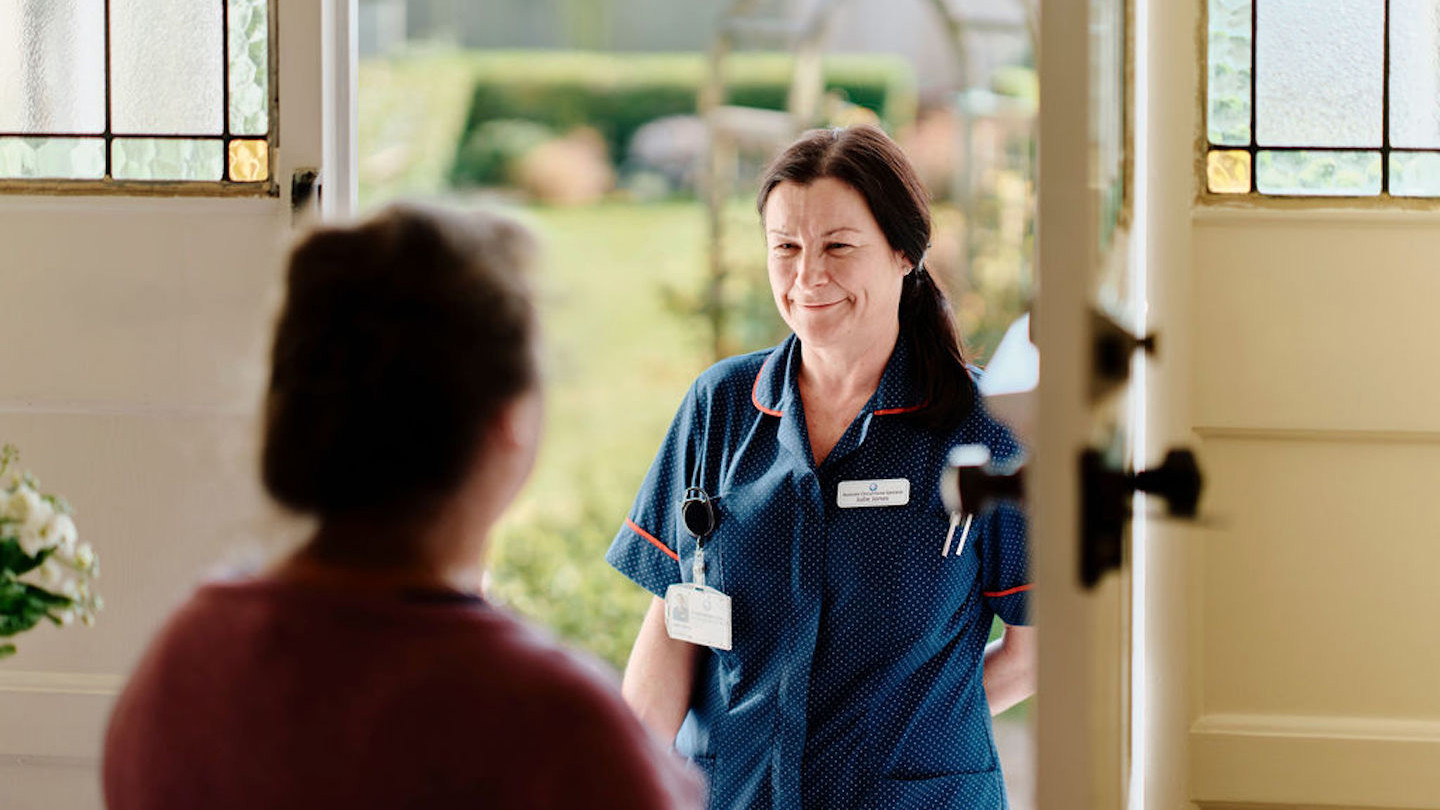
column 1014, row 590
column 656, row 543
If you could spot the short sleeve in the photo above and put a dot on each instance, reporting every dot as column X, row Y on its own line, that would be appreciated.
column 646, row 548
column 1004, row 537
column 1005, row 563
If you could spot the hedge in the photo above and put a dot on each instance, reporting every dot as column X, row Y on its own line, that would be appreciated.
column 617, row 93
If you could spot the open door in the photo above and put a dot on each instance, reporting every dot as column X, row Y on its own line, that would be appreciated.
column 1087, row 312
column 137, row 316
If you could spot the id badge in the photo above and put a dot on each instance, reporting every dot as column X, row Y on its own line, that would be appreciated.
column 698, row 614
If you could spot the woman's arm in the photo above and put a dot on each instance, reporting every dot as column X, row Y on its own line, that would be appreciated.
column 1010, row 668
column 659, row 675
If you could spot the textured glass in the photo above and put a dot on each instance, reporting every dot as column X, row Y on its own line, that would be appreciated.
column 1107, row 109
column 52, row 66
column 1319, row 72
column 1228, row 171
column 52, row 158
column 1415, row 73
column 249, row 53
column 1349, row 174
column 1228, row 89
column 249, row 161
column 166, row 67
column 167, row 159
column 1415, row 174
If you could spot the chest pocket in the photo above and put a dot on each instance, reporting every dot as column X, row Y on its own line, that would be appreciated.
column 890, row 565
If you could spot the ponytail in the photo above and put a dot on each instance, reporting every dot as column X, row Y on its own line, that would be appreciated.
column 928, row 322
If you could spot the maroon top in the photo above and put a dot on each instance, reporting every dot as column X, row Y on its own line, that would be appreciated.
column 265, row 694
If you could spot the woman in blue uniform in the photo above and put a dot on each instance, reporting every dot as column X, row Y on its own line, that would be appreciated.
column 826, row 645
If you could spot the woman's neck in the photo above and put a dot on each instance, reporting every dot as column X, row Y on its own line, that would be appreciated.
column 445, row 552
column 843, row 373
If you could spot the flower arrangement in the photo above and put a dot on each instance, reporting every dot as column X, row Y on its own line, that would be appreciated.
column 45, row 572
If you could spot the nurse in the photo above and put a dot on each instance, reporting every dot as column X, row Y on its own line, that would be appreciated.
column 836, row 654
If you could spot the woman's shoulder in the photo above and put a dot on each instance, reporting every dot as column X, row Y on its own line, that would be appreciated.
column 734, row 376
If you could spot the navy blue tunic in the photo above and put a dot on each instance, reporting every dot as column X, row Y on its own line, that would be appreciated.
column 855, row 677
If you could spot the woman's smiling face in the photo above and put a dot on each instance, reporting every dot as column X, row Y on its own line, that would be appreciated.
column 835, row 277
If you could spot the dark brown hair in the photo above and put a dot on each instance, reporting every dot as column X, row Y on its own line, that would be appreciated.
column 401, row 338
column 865, row 159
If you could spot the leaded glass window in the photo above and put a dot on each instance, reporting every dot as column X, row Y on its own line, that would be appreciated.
column 1323, row 98
column 137, row 93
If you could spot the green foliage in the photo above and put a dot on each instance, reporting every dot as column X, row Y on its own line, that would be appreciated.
column 490, row 153
column 618, row 93
column 552, row 569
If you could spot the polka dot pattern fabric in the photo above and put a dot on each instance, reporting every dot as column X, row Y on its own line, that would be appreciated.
column 855, row 677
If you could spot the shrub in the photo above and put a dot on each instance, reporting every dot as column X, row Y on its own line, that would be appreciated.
column 491, row 152
column 618, row 93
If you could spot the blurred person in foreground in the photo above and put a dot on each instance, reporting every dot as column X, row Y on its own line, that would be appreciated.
column 366, row 670
column 841, row 661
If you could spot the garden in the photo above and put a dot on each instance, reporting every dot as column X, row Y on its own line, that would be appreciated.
column 598, row 152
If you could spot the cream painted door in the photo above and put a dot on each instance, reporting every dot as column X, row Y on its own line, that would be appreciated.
column 1084, row 261
column 1294, row 644
column 134, row 332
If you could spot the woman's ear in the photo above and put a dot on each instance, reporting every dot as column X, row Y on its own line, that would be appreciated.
column 518, row 423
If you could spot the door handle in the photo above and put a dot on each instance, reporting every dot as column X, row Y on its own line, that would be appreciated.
column 973, row 481
column 1112, row 346
column 1105, row 500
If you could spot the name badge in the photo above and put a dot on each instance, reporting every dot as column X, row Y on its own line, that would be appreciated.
column 885, row 492
column 698, row 614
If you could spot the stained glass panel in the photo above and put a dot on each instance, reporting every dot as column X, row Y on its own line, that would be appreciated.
column 52, row 158
column 166, row 65
column 167, row 159
column 52, row 66
column 1415, row 174
column 249, row 56
column 1312, row 173
column 1319, row 69
column 1228, row 171
column 1415, row 73
column 1228, row 89
column 249, row 161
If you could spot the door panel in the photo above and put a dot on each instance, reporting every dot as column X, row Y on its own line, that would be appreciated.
column 137, row 333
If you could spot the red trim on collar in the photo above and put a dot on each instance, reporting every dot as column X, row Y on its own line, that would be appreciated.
column 893, row 411
column 755, row 391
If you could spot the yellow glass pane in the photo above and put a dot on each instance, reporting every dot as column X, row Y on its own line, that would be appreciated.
column 249, row 161
column 1228, row 171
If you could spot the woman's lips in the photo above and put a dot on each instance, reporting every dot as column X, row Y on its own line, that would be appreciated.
column 826, row 305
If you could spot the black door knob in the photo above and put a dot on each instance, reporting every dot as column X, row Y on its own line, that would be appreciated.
column 1177, row 480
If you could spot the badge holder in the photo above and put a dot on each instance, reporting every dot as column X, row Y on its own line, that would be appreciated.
column 695, row 612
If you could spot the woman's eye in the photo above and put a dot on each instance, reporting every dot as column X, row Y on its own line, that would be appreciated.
column 838, row 246
column 784, row 247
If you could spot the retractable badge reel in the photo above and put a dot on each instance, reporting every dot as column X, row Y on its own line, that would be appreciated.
column 695, row 612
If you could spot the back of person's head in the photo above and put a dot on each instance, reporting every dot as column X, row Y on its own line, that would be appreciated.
column 402, row 338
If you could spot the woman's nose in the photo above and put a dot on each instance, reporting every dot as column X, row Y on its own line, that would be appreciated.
column 811, row 272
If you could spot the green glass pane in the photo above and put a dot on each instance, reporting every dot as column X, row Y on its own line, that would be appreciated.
column 1312, row 173
column 1415, row 174
column 249, row 54
column 52, row 158
column 167, row 159
column 1228, row 88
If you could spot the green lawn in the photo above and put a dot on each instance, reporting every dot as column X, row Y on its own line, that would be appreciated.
column 618, row 362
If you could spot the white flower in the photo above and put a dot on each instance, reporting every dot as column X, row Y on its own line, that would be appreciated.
column 67, row 616
column 59, row 532
column 28, row 509
column 51, row 574
column 85, row 558
column 70, row 589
